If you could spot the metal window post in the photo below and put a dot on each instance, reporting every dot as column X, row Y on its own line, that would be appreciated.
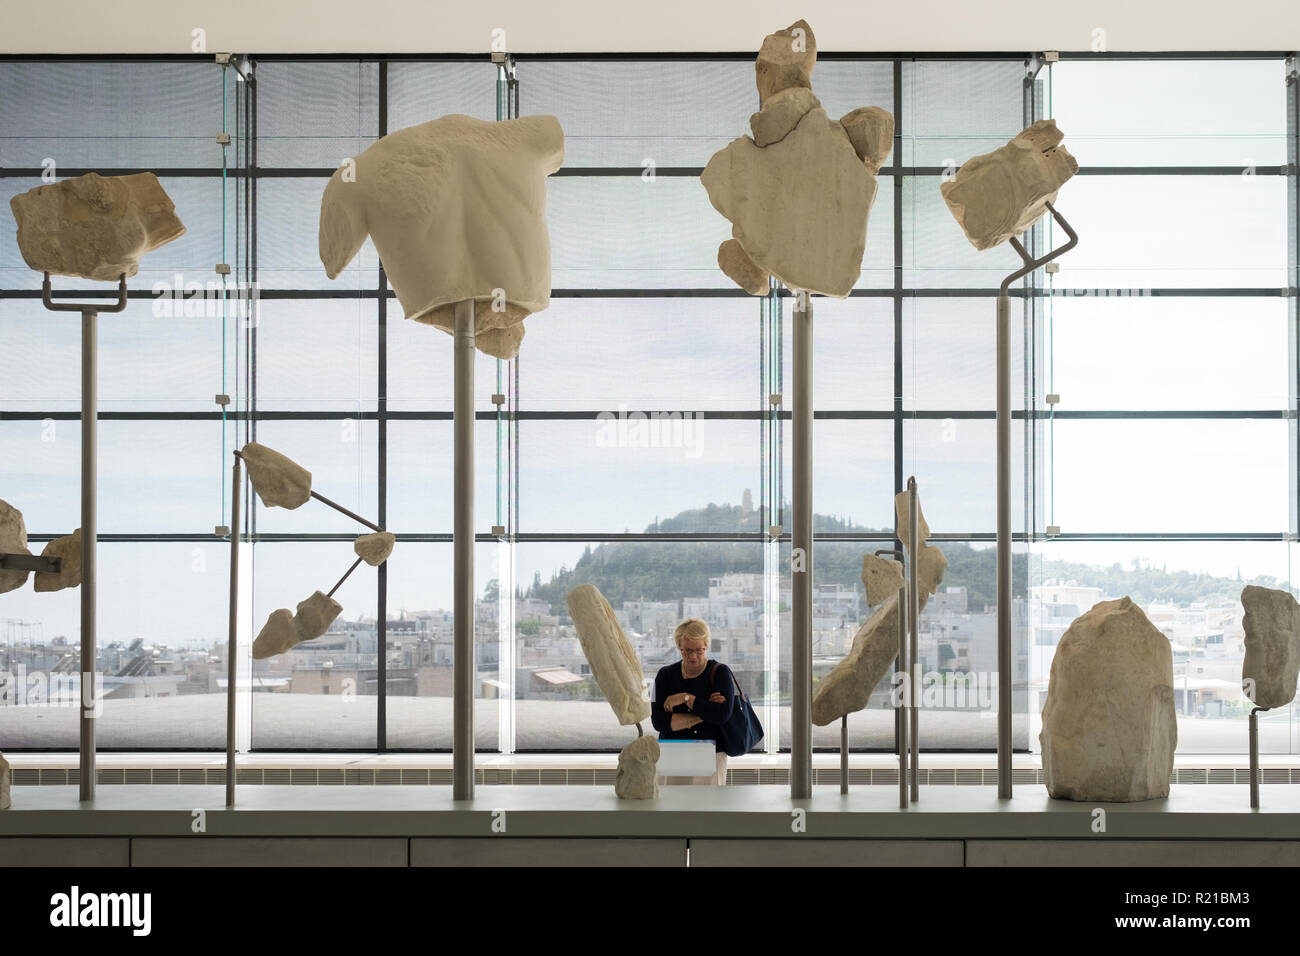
column 463, row 667
column 801, row 588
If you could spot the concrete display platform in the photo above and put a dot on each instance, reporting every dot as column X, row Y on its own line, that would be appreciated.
column 1202, row 825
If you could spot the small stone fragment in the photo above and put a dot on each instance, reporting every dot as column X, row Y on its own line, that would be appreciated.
column 613, row 662
column 375, row 548
column 94, row 227
column 780, row 114
column 871, row 131
column 881, row 577
column 786, row 59
column 1001, row 194
column 283, row 630
column 740, row 269
column 1272, row 663
column 635, row 779
column 13, row 540
column 68, row 548
column 1109, row 725
column 903, row 512
column 279, row 481
column 6, row 801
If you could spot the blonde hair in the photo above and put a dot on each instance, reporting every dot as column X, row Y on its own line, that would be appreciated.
column 691, row 629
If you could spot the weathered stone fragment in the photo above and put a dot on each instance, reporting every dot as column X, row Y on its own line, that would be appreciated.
column 5, row 800
column 278, row 480
column 1272, row 662
column 847, row 688
column 1109, row 725
column 740, row 269
column 94, row 227
column 881, row 577
column 636, row 779
column 457, row 210
column 68, row 548
column 13, row 540
column 780, row 114
column 871, row 131
column 375, row 548
column 1001, row 194
column 283, row 630
column 786, row 59
column 613, row 662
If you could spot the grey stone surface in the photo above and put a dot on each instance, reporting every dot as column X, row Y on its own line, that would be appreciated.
column 532, row 851
column 1272, row 662
column 13, row 540
column 785, row 60
column 636, row 779
column 1143, row 853
column 65, row 851
column 613, row 662
column 1109, row 725
column 67, row 548
column 94, row 227
column 798, row 193
column 268, row 851
column 847, row 688
column 278, row 480
column 825, row 853
column 283, row 630
column 375, row 548
column 871, row 131
column 882, row 577
column 457, row 210
column 1001, row 194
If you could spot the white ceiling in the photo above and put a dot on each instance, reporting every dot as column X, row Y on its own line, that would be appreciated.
column 437, row 26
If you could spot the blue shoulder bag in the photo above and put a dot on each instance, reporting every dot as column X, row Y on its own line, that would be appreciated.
column 742, row 731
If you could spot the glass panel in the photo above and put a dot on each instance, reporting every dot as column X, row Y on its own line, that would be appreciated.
column 1139, row 476
column 420, row 477
column 421, row 374
column 341, row 339
column 342, row 456
column 937, row 254
column 421, row 643
column 950, row 354
column 1178, row 353
column 315, row 113
column 956, row 109
column 954, row 461
column 419, row 92
column 1191, row 591
column 288, row 241
column 625, row 473
column 1170, row 112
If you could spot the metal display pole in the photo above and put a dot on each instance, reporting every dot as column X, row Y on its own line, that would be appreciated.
column 903, row 721
column 231, row 636
column 89, row 420
column 1004, row 495
column 844, row 753
column 463, row 560
column 1254, row 757
column 801, row 541
column 913, row 614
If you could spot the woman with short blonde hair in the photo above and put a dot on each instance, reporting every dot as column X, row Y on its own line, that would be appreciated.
column 694, row 697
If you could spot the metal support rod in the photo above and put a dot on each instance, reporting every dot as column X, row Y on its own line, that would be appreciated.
column 844, row 753
column 347, row 574
column 339, row 508
column 906, row 690
column 1254, row 758
column 913, row 616
column 232, row 641
column 801, row 553
column 463, row 558
column 89, row 706
column 1004, row 495
column 900, row 670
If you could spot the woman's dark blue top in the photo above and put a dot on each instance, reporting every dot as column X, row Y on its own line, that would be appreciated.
column 670, row 681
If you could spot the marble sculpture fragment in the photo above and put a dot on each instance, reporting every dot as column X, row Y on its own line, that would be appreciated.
column 278, row 480
column 457, row 210
column 94, row 227
column 13, row 540
column 68, row 548
column 284, row 630
column 1109, row 724
column 1001, row 194
column 375, row 548
column 799, row 190
column 636, row 779
column 613, row 662
column 5, row 801
column 848, row 687
column 1272, row 662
